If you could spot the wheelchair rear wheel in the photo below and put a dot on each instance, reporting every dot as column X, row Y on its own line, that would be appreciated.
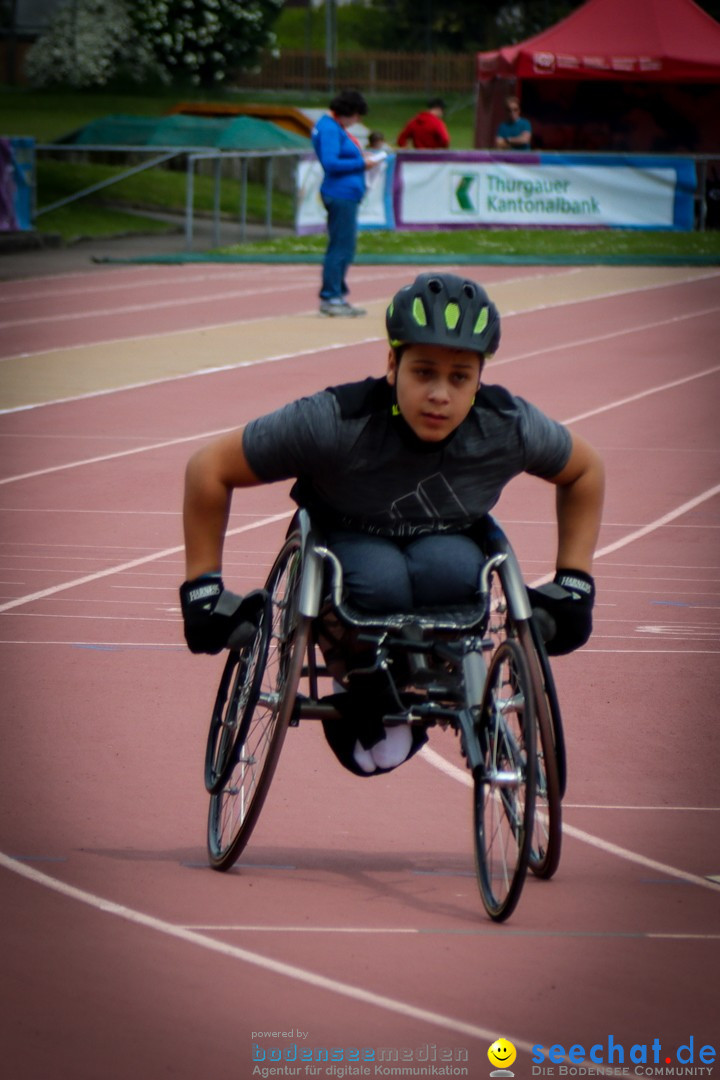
column 505, row 781
column 268, row 673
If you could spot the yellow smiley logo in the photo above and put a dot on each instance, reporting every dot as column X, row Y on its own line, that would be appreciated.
column 502, row 1054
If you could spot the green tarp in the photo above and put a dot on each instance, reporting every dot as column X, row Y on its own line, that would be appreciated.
column 233, row 133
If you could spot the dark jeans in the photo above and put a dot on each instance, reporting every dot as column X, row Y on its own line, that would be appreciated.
column 400, row 575
column 340, row 251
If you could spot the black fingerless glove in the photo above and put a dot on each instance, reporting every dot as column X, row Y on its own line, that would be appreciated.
column 212, row 614
column 568, row 601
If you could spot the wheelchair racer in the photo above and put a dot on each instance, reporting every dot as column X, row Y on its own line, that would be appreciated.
column 399, row 471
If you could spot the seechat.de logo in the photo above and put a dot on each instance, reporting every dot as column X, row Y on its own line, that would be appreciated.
column 690, row 1058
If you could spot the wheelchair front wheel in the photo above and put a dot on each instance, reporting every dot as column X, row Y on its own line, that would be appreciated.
column 234, row 704
column 268, row 695
column 550, row 747
column 547, row 828
column 505, row 781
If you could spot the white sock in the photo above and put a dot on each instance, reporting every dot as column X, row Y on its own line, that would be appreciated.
column 394, row 748
column 363, row 758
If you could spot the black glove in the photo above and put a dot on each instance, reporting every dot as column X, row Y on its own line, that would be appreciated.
column 211, row 614
column 566, row 602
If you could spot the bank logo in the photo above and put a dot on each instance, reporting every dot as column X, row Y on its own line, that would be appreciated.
column 502, row 1054
column 464, row 192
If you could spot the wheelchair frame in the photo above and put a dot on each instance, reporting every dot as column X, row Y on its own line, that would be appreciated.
column 481, row 671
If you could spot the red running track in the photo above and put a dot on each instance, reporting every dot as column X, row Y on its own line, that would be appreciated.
column 354, row 916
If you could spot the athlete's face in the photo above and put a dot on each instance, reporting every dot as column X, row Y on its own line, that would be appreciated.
column 435, row 387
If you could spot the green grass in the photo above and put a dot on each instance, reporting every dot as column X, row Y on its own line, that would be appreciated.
column 499, row 243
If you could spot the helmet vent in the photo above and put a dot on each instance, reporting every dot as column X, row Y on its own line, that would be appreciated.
column 452, row 315
column 469, row 290
column 481, row 321
column 434, row 285
column 418, row 311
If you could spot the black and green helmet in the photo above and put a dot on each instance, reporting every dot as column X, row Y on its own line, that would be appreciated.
column 443, row 309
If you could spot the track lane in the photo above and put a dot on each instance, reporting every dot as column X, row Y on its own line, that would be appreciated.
column 376, row 855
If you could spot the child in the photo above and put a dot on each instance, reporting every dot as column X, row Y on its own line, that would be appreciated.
column 398, row 471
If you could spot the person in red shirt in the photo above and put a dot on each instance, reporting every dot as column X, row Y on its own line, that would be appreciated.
column 427, row 130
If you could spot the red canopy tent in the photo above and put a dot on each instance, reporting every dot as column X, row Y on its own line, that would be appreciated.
column 587, row 81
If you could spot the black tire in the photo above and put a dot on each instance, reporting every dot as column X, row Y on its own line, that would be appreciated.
column 550, row 754
column 554, row 706
column 504, row 794
column 547, row 826
column 236, row 805
column 234, row 707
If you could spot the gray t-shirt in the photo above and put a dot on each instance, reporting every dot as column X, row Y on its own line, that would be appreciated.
column 358, row 466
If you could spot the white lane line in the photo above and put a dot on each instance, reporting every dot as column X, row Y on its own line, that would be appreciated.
column 608, row 806
column 686, row 937
column 222, row 431
column 42, row 593
column 310, row 929
column 485, row 931
column 180, row 646
column 117, row 284
column 650, row 652
column 652, row 526
column 277, row 967
column 462, row 777
column 636, row 535
column 644, row 530
column 177, row 645
column 117, row 454
column 133, row 618
column 185, row 375
column 184, row 302
column 642, row 394
column 304, row 284
column 366, row 341
column 640, row 328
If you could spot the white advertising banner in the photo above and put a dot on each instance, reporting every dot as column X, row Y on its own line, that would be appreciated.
column 375, row 209
column 466, row 193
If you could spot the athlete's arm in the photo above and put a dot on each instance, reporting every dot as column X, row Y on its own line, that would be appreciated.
column 210, row 478
column 580, row 492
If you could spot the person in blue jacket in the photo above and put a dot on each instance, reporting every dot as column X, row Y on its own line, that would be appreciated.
column 344, row 164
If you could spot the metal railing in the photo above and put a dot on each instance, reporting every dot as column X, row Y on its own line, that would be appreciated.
column 164, row 154
column 218, row 157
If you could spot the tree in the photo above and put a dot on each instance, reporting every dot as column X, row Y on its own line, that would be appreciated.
column 206, row 40
column 463, row 26
column 89, row 43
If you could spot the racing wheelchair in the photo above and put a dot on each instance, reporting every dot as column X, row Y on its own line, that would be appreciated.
column 481, row 671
